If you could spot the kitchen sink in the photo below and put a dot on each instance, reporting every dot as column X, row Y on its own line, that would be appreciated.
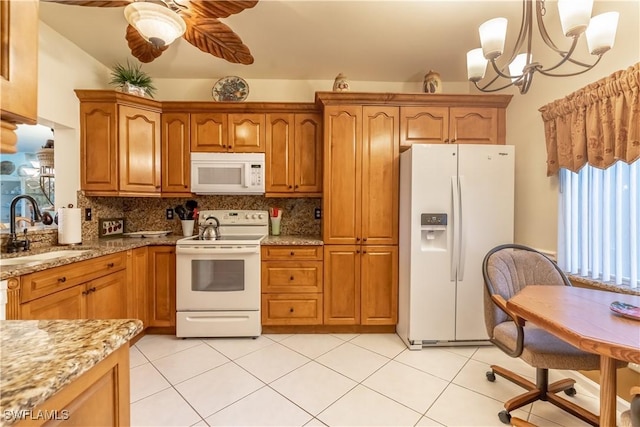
column 40, row 258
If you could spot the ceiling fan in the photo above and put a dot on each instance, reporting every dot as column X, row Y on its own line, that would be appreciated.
column 203, row 29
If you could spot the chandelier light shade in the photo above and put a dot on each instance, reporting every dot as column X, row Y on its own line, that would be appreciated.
column 518, row 67
column 157, row 24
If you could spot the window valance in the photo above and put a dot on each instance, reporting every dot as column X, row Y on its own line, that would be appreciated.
column 598, row 124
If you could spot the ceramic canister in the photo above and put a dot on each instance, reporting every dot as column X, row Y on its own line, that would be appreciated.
column 432, row 82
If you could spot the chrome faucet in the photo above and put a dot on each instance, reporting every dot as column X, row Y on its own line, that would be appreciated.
column 14, row 245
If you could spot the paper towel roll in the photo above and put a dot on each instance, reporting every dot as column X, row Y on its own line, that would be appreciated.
column 69, row 226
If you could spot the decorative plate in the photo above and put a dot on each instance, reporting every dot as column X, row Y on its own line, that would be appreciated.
column 626, row 310
column 230, row 88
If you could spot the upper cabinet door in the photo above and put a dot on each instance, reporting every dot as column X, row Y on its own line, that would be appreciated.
column 279, row 153
column 380, row 175
column 176, row 158
column 342, row 174
column 423, row 125
column 247, row 133
column 474, row 125
column 209, row 132
column 139, row 150
column 308, row 153
column 98, row 147
column 18, row 68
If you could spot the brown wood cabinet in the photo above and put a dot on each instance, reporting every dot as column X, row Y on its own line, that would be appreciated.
column 100, row 396
column 292, row 285
column 451, row 125
column 176, row 158
column 137, row 285
column 119, row 144
column 162, row 286
column 18, row 69
column 222, row 132
column 361, row 175
column 293, row 155
column 360, row 285
column 94, row 288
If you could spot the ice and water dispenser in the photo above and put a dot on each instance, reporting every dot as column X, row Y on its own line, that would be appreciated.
column 433, row 232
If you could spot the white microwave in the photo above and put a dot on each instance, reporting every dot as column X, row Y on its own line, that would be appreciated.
column 227, row 173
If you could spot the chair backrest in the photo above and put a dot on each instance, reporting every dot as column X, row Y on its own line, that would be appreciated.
column 507, row 269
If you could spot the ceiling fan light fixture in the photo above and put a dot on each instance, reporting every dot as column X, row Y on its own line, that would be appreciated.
column 157, row 24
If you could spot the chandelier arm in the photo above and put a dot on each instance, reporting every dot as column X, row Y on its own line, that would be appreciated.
column 543, row 30
column 525, row 29
column 565, row 57
column 546, row 73
column 486, row 89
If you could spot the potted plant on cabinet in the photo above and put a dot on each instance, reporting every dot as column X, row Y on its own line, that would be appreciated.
column 131, row 79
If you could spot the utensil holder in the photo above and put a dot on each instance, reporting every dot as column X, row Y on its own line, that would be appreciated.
column 187, row 227
column 275, row 226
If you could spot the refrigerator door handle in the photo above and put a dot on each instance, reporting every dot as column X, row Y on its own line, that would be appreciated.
column 456, row 210
column 461, row 232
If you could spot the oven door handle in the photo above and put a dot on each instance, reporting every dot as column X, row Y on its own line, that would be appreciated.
column 200, row 250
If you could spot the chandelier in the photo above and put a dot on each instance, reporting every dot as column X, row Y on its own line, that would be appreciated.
column 157, row 24
column 575, row 18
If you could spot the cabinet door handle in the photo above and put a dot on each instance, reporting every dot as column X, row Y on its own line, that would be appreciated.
column 364, row 239
column 357, row 239
column 93, row 289
column 186, row 186
column 364, row 252
column 446, row 141
column 62, row 279
column 85, row 292
column 357, row 251
column 296, row 186
column 289, row 187
column 453, row 140
column 110, row 265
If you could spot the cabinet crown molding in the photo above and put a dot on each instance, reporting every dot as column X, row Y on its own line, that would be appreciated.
column 411, row 99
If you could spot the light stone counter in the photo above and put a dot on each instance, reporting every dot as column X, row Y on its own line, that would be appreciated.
column 292, row 240
column 40, row 357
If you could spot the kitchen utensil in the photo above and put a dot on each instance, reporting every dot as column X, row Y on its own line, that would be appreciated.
column 181, row 212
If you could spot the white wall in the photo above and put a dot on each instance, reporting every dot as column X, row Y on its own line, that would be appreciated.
column 536, row 194
column 63, row 67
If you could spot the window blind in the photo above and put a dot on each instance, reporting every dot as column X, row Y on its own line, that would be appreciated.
column 599, row 215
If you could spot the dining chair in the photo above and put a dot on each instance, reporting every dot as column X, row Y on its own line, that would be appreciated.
column 507, row 269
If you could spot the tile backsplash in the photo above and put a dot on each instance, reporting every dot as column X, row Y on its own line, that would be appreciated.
column 147, row 214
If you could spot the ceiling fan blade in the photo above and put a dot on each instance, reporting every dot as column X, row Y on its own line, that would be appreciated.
column 215, row 8
column 140, row 48
column 93, row 3
column 212, row 36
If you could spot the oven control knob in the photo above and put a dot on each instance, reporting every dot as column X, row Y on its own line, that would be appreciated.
column 261, row 216
column 254, row 216
column 247, row 216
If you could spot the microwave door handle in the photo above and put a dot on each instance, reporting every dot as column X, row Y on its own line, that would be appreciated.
column 247, row 175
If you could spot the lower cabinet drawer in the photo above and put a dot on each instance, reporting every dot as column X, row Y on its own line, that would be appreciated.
column 291, row 309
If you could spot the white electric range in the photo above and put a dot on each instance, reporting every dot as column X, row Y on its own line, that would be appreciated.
column 218, row 281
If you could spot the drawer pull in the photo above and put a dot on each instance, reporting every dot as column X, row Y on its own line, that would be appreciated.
column 292, row 253
column 110, row 265
column 62, row 279
column 291, row 278
column 291, row 310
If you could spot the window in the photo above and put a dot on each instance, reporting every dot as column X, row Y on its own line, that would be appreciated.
column 599, row 219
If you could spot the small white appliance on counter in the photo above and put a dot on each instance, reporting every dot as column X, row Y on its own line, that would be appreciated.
column 456, row 203
column 227, row 173
column 218, row 280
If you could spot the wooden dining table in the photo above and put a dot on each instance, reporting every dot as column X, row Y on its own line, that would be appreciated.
column 583, row 318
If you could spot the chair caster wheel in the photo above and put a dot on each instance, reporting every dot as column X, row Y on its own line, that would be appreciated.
column 491, row 376
column 570, row 392
column 505, row 417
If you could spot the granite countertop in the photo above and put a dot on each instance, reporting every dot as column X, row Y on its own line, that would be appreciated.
column 93, row 248
column 40, row 357
column 292, row 240
column 100, row 247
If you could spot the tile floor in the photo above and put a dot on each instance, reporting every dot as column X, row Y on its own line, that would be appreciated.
column 333, row 380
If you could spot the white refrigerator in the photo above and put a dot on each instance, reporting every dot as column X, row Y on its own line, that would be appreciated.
column 456, row 203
